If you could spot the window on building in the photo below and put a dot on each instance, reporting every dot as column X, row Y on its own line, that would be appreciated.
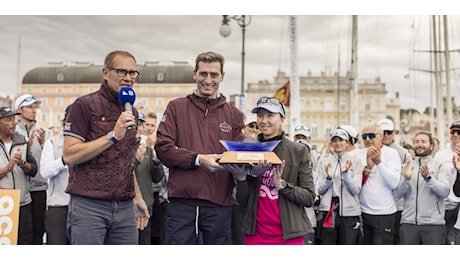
column 159, row 102
column 367, row 107
column 58, row 102
column 343, row 105
column 144, row 102
column 315, row 104
column 59, row 90
column 314, row 130
column 328, row 104
column 327, row 129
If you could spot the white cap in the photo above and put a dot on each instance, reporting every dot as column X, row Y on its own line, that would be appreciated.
column 251, row 119
column 341, row 133
column 25, row 100
column 350, row 130
column 302, row 130
column 386, row 125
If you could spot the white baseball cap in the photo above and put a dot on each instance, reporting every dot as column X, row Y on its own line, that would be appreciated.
column 387, row 125
column 251, row 119
column 302, row 130
column 26, row 100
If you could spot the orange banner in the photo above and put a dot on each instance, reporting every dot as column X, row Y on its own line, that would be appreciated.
column 9, row 216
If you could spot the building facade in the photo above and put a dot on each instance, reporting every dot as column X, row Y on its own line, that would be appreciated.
column 58, row 85
column 324, row 99
column 325, row 102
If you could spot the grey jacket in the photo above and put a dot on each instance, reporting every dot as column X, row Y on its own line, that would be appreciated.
column 37, row 183
column 424, row 199
column 346, row 185
column 17, row 179
column 298, row 194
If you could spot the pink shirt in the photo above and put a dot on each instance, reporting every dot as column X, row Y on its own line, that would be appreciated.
column 268, row 222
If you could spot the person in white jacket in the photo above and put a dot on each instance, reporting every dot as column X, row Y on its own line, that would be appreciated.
column 380, row 178
column 56, row 172
column 424, row 186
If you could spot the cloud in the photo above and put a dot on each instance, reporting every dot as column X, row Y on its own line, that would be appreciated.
column 385, row 47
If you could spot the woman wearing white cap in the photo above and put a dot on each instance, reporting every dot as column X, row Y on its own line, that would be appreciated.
column 275, row 197
column 339, row 184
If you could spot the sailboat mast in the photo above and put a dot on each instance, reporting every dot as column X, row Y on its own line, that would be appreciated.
column 447, row 60
column 354, row 99
column 439, row 101
column 294, row 78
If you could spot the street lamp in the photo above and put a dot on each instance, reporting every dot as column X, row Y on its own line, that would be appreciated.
column 225, row 30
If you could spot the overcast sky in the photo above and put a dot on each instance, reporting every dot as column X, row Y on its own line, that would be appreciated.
column 386, row 46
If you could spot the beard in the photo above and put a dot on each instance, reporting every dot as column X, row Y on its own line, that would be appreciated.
column 422, row 153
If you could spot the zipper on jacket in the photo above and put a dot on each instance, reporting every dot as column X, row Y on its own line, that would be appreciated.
column 416, row 190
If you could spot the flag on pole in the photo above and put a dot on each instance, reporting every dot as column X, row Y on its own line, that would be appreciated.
column 284, row 93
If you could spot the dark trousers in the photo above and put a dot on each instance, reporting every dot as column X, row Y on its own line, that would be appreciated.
column 155, row 220
column 145, row 235
column 378, row 229
column 422, row 234
column 396, row 239
column 56, row 225
column 450, row 217
column 185, row 222
column 347, row 231
column 237, row 225
column 100, row 222
column 25, row 225
column 38, row 215
column 163, row 219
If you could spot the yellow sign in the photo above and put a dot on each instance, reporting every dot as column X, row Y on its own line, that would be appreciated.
column 9, row 216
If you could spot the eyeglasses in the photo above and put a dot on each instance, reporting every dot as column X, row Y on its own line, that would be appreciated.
column 274, row 101
column 302, row 127
column 253, row 126
column 122, row 72
column 368, row 135
column 27, row 99
column 387, row 132
column 205, row 74
column 453, row 131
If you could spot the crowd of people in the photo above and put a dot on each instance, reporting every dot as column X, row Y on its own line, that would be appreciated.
column 115, row 175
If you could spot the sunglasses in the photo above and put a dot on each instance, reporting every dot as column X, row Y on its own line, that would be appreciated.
column 388, row 132
column 453, row 131
column 368, row 135
column 269, row 100
column 28, row 99
column 253, row 126
column 302, row 127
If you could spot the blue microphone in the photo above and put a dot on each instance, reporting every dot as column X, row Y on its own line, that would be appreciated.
column 127, row 96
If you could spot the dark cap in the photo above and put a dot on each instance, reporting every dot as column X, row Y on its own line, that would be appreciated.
column 67, row 110
column 7, row 111
column 455, row 125
column 141, row 117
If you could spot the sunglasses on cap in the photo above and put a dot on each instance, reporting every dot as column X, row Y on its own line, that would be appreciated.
column 302, row 127
column 27, row 99
column 368, row 135
column 269, row 100
column 454, row 130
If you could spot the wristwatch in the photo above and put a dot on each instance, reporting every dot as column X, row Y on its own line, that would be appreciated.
column 111, row 137
column 428, row 177
column 22, row 164
column 282, row 185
